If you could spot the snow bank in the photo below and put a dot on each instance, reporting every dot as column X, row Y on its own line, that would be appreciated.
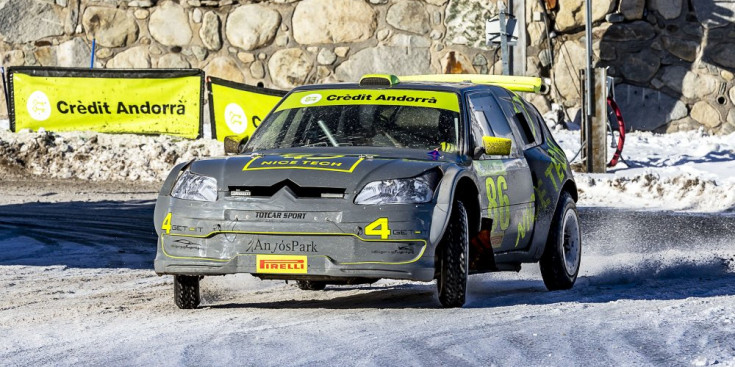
column 681, row 171
column 95, row 156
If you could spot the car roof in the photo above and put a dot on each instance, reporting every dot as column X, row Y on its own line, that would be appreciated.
column 460, row 88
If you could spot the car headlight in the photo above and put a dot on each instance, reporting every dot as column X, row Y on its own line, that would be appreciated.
column 191, row 186
column 413, row 190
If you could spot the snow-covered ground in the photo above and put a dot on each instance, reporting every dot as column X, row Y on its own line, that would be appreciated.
column 87, row 295
column 687, row 171
column 99, row 157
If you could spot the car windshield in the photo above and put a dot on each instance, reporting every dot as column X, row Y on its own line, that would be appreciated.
column 408, row 119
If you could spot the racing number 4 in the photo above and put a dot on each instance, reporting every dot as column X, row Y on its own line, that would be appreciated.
column 166, row 225
column 378, row 228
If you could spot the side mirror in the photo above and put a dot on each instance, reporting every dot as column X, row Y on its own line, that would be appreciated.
column 496, row 146
column 233, row 144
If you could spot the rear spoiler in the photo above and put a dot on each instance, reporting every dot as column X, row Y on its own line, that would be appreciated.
column 526, row 84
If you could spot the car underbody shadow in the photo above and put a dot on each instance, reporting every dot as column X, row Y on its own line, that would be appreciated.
column 403, row 296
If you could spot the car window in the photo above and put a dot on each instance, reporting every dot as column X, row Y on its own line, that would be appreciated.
column 479, row 126
column 346, row 118
column 536, row 121
column 525, row 122
column 488, row 119
column 516, row 112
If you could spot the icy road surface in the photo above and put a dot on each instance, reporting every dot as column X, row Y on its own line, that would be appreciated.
column 78, row 288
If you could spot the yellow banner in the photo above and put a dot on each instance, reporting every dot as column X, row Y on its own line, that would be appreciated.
column 237, row 109
column 394, row 97
column 109, row 101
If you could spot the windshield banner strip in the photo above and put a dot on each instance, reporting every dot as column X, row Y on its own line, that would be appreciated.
column 393, row 97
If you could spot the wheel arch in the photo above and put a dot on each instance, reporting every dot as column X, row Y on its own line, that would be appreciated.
column 571, row 187
column 457, row 184
column 467, row 192
column 543, row 226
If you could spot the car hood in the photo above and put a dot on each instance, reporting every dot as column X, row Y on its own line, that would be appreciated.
column 348, row 172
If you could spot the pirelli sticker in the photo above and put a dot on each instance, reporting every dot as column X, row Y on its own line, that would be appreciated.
column 281, row 264
column 337, row 163
column 398, row 97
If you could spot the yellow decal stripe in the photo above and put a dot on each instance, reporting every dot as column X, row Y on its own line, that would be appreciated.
column 317, row 168
column 389, row 97
column 421, row 253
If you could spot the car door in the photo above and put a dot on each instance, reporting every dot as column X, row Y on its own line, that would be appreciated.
column 507, row 188
column 529, row 136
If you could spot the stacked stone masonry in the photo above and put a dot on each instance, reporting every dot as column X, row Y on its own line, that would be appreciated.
column 673, row 60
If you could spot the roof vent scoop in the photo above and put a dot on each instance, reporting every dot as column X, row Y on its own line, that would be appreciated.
column 378, row 80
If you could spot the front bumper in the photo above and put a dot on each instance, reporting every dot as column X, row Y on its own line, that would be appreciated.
column 222, row 238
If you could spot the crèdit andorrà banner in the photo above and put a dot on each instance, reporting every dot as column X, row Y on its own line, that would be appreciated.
column 151, row 101
column 237, row 109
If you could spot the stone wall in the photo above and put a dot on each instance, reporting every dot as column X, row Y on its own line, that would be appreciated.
column 672, row 59
column 279, row 43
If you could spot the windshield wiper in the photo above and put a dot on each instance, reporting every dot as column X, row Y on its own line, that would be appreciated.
column 328, row 133
column 392, row 139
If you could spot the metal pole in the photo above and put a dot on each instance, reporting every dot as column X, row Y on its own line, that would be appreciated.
column 518, row 54
column 589, row 90
column 91, row 58
column 5, row 87
column 503, row 38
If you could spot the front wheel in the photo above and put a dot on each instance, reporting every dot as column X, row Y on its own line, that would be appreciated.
column 563, row 254
column 186, row 291
column 452, row 281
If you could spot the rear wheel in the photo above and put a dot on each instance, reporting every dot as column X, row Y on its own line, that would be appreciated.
column 186, row 291
column 452, row 281
column 563, row 254
column 311, row 285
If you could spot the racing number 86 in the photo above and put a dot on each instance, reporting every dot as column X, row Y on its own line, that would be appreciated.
column 498, row 207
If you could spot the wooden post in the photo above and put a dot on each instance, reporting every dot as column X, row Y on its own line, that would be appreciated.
column 594, row 123
column 599, row 123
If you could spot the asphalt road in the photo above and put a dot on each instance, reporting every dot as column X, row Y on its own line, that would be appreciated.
column 121, row 233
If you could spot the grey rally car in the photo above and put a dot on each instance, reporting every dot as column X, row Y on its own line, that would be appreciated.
column 349, row 183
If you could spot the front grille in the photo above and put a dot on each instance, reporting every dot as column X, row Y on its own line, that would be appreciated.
column 296, row 190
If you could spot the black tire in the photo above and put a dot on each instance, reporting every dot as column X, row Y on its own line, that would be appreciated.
column 186, row 291
column 563, row 253
column 452, row 280
column 311, row 285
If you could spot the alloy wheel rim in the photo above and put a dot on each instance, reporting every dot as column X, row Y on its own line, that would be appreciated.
column 571, row 242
